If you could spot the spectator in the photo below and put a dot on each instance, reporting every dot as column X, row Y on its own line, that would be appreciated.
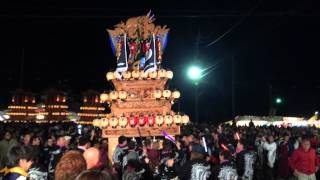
column 94, row 175
column 226, row 169
column 83, row 144
column 56, row 154
column 92, row 157
column 245, row 160
column 271, row 148
column 70, row 165
column 26, row 139
column 5, row 145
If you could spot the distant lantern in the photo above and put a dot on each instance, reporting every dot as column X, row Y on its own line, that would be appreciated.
column 33, row 100
column 168, row 119
column 151, row 120
column 104, row 97
column 142, row 120
column 114, row 121
column 166, row 93
column 104, row 122
column 159, row 120
column 169, row 74
column 64, row 99
column 177, row 119
column 110, row 76
column 123, row 121
column 157, row 94
column 122, row 95
column 113, row 95
column 133, row 120
column 96, row 100
column 185, row 119
column 143, row 75
column 176, row 94
column 126, row 75
column 162, row 73
column 85, row 99
column 135, row 74
column 153, row 74
column 95, row 122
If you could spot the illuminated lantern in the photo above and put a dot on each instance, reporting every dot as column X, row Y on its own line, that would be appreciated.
column 143, row 75
column 123, row 121
column 110, row 76
column 168, row 119
column 104, row 97
column 85, row 99
column 33, row 100
column 151, row 120
column 157, row 94
column 133, row 121
column 153, row 75
column 185, row 119
column 142, row 121
column 177, row 118
column 95, row 122
column 126, row 75
column 13, row 99
column 166, row 93
column 169, row 74
column 104, row 122
column 159, row 120
column 114, row 121
column 96, row 100
column 122, row 95
column 161, row 73
column 135, row 74
column 113, row 95
column 176, row 94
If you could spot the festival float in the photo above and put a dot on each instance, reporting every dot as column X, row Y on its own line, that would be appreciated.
column 140, row 102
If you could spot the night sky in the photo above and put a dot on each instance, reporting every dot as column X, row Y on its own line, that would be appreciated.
column 272, row 43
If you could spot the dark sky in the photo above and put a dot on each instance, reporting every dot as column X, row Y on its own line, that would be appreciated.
column 273, row 43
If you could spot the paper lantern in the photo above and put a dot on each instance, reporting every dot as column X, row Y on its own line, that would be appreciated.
column 185, row 119
column 168, row 119
column 95, row 122
column 104, row 97
column 122, row 95
column 114, row 121
column 110, row 76
column 157, row 94
column 153, row 74
column 159, row 120
column 133, row 120
column 104, row 122
column 166, row 93
column 135, row 74
column 151, row 120
column 169, row 74
column 142, row 121
column 177, row 118
column 162, row 73
column 143, row 75
column 123, row 121
column 176, row 94
column 126, row 75
column 113, row 95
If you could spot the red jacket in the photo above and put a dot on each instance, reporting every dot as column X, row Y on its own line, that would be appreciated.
column 304, row 162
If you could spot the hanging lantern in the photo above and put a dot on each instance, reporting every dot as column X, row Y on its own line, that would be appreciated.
column 135, row 74
column 114, row 121
column 104, row 97
column 185, row 119
column 113, row 95
column 64, row 99
column 110, row 76
column 159, row 120
column 133, row 121
column 142, row 121
column 123, row 121
column 96, row 100
column 168, row 119
column 85, row 99
column 151, row 120
column 126, row 75
column 33, row 100
column 104, row 122
column 13, row 99
column 157, row 94
column 166, row 93
column 177, row 118
column 169, row 74
column 95, row 122
column 161, row 73
column 176, row 94
column 143, row 75
column 153, row 74
column 122, row 95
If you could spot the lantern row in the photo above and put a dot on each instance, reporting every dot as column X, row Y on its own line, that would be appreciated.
column 133, row 121
column 135, row 75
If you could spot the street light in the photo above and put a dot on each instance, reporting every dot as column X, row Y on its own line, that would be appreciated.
column 278, row 100
column 195, row 74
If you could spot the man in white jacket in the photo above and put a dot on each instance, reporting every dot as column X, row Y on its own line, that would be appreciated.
column 271, row 147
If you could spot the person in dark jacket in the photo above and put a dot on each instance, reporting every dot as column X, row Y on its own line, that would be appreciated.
column 56, row 153
column 245, row 160
column 226, row 169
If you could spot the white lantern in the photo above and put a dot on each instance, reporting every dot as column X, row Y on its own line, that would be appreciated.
column 153, row 74
column 185, row 119
column 95, row 122
column 113, row 95
column 177, row 118
column 110, row 76
column 176, row 94
column 122, row 95
column 126, row 75
column 123, row 121
column 143, row 75
column 169, row 74
column 166, row 93
column 157, row 94
column 104, row 122
column 135, row 74
column 159, row 120
column 162, row 73
column 114, row 121
column 168, row 119
column 104, row 97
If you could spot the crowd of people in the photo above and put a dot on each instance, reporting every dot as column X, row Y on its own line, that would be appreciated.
column 201, row 152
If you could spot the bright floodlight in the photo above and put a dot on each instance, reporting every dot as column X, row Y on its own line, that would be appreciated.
column 194, row 73
column 316, row 113
column 278, row 100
